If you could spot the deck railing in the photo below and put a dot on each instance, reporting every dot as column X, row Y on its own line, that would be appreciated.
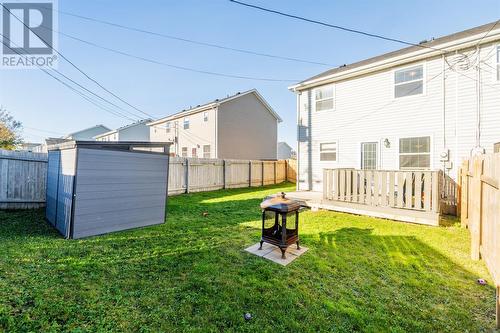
column 416, row 190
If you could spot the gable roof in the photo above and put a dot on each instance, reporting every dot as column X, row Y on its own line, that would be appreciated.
column 137, row 123
column 86, row 129
column 215, row 103
column 428, row 48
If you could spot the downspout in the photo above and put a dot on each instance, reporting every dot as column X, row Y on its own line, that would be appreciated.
column 297, row 173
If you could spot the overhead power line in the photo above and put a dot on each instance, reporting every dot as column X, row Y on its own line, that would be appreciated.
column 369, row 34
column 116, row 113
column 192, row 41
column 189, row 69
column 75, row 66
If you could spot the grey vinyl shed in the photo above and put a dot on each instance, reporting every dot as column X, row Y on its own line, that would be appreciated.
column 96, row 187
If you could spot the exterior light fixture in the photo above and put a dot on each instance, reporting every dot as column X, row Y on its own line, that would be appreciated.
column 387, row 143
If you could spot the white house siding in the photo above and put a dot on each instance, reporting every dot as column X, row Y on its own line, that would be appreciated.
column 365, row 111
column 200, row 133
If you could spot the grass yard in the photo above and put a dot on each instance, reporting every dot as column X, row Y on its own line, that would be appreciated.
column 192, row 275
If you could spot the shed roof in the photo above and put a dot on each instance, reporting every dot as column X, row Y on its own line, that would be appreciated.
column 112, row 145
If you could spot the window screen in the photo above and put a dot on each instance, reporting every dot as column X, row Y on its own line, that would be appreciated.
column 186, row 123
column 369, row 155
column 205, row 116
column 324, row 98
column 409, row 81
column 415, row 153
column 328, row 151
column 167, row 127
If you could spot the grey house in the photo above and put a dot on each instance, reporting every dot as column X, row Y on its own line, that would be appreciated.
column 241, row 126
column 87, row 133
column 284, row 151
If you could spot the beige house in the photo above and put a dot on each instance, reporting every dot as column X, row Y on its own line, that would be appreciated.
column 242, row 126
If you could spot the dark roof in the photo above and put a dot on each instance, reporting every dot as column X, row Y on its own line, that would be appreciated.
column 434, row 43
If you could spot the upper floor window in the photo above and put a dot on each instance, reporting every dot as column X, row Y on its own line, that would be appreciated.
column 184, row 152
column 186, row 123
column 415, row 153
column 409, row 81
column 167, row 127
column 194, row 152
column 323, row 98
column 205, row 116
column 328, row 151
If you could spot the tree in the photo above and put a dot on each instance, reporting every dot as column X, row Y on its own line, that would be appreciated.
column 10, row 130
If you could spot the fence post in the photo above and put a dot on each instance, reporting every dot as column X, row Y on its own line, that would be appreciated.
column 224, row 174
column 275, row 176
column 250, row 173
column 262, row 174
column 187, row 175
column 475, row 221
column 286, row 170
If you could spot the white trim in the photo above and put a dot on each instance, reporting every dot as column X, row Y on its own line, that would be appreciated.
column 424, row 79
column 377, row 154
column 333, row 87
column 421, row 54
column 496, row 63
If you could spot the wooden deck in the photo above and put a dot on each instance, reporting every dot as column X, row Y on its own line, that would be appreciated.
column 315, row 200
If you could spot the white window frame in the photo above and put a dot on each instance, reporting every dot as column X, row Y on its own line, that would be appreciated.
column 205, row 116
column 430, row 153
column 424, row 83
column 336, row 151
column 167, row 127
column 376, row 154
column 182, row 151
column 184, row 122
column 332, row 86
column 209, row 151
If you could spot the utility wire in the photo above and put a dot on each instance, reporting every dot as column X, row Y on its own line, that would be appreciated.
column 182, row 39
column 70, row 87
column 333, row 25
column 116, row 113
column 189, row 69
column 76, row 67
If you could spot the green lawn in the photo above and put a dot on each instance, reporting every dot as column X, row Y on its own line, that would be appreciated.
column 192, row 275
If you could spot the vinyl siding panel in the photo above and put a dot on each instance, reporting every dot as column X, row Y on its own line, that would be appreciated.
column 366, row 111
column 118, row 190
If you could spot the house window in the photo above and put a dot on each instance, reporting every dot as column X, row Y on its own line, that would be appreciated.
column 369, row 155
column 186, row 123
column 167, row 127
column 184, row 152
column 193, row 152
column 205, row 116
column 328, row 151
column 415, row 153
column 323, row 98
column 409, row 81
column 206, row 151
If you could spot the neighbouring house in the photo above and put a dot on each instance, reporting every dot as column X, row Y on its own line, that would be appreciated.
column 30, row 147
column 242, row 126
column 284, row 151
column 424, row 107
column 137, row 131
column 87, row 134
column 497, row 147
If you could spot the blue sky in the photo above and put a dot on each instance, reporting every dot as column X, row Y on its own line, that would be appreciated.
column 44, row 104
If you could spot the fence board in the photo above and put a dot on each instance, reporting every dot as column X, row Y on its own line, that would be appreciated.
column 22, row 179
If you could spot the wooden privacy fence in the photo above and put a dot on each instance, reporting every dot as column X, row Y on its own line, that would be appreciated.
column 392, row 194
column 479, row 180
column 22, row 179
column 197, row 174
